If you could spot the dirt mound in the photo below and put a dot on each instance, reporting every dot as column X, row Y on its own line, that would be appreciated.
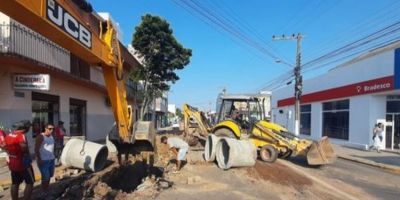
column 278, row 173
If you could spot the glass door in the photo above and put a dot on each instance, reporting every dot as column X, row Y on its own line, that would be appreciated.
column 396, row 131
column 389, row 130
column 393, row 131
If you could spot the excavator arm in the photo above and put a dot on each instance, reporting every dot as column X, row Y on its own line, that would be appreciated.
column 191, row 114
column 74, row 27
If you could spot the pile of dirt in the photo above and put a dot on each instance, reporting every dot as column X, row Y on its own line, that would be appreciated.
column 278, row 173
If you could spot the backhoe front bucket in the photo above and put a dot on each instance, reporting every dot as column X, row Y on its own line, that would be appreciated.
column 321, row 153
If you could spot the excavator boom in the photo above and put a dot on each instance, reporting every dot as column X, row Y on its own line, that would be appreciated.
column 76, row 28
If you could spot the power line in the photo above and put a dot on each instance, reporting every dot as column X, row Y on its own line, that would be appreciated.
column 226, row 25
column 348, row 51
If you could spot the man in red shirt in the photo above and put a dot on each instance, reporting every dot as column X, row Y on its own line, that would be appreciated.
column 19, row 159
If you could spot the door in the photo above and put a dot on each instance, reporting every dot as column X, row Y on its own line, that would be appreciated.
column 389, row 130
column 396, row 131
column 44, row 110
column 393, row 131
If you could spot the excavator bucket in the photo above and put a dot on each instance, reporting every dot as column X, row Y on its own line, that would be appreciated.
column 321, row 153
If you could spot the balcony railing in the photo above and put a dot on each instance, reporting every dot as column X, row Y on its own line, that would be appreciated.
column 16, row 39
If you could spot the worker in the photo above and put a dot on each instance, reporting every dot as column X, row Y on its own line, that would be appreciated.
column 19, row 159
column 44, row 150
column 178, row 147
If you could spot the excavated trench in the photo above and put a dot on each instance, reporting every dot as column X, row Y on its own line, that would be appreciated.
column 127, row 178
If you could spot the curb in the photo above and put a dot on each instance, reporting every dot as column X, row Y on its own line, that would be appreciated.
column 387, row 167
column 389, row 151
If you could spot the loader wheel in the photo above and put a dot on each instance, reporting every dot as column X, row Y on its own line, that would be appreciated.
column 268, row 153
column 224, row 132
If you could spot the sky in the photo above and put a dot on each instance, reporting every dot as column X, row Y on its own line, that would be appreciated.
column 221, row 60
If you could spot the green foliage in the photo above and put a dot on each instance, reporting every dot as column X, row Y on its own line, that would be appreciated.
column 162, row 55
column 179, row 113
column 161, row 52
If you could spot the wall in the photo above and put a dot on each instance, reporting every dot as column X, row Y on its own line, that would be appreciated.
column 373, row 67
column 99, row 116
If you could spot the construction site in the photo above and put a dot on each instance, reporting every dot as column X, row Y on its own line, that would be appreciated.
column 121, row 142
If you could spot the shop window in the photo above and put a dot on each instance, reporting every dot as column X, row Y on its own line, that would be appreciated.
column 45, row 109
column 336, row 119
column 77, row 117
column 305, row 120
column 79, row 67
column 393, row 104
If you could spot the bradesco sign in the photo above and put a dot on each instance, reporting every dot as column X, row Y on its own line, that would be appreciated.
column 31, row 81
column 65, row 21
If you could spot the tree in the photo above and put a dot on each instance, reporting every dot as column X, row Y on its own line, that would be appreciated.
column 162, row 55
column 179, row 113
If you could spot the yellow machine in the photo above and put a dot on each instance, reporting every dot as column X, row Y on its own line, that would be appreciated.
column 72, row 25
column 242, row 117
column 195, row 125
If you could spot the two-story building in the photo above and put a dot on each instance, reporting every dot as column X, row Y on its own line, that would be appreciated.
column 45, row 83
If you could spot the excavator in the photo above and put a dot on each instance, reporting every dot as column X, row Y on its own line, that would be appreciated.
column 73, row 25
column 242, row 117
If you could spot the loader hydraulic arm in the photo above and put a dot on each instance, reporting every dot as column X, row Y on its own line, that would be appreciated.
column 198, row 116
column 87, row 36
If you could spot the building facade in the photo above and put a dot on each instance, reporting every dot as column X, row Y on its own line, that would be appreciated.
column 346, row 102
column 75, row 92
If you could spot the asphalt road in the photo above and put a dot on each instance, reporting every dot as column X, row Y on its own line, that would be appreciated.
column 376, row 182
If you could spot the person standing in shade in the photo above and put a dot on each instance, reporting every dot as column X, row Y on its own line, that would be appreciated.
column 19, row 159
column 44, row 150
column 178, row 147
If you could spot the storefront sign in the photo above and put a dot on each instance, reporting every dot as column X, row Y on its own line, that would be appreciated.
column 31, row 81
column 366, row 87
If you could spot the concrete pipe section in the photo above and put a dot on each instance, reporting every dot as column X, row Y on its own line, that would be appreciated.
column 85, row 155
column 235, row 153
column 209, row 149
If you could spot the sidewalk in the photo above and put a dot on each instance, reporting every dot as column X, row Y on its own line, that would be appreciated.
column 5, row 176
column 386, row 160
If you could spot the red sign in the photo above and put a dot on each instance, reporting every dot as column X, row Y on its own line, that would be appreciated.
column 366, row 87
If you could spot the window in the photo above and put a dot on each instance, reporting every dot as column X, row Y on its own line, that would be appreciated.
column 336, row 119
column 393, row 104
column 77, row 117
column 79, row 67
column 305, row 119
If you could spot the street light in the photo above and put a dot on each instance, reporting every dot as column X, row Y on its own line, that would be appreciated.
column 283, row 62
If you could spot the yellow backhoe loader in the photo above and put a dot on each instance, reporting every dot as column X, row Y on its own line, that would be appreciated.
column 242, row 117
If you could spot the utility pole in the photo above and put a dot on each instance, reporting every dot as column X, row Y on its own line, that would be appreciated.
column 298, row 86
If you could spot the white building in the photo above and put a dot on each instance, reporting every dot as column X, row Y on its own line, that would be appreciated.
column 346, row 102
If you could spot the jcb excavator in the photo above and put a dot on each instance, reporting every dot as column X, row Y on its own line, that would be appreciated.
column 242, row 117
column 73, row 25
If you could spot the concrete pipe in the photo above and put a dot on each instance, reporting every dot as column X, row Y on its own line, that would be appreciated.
column 235, row 153
column 85, row 155
column 110, row 146
column 209, row 149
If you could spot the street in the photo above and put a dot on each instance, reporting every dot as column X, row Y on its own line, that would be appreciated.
column 374, row 181
column 286, row 179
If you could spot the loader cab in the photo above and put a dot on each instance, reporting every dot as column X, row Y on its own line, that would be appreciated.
column 243, row 110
